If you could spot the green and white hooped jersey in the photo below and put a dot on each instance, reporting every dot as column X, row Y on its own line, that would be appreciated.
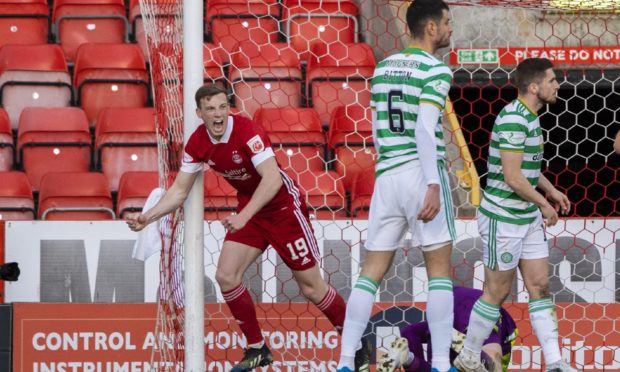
column 400, row 83
column 516, row 129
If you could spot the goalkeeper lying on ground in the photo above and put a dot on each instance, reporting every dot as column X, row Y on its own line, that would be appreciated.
column 407, row 351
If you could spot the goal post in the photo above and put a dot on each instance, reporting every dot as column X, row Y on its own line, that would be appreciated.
column 193, row 208
column 176, row 61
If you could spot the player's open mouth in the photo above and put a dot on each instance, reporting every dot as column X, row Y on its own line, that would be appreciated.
column 218, row 123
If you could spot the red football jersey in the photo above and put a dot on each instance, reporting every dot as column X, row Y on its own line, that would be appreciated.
column 235, row 157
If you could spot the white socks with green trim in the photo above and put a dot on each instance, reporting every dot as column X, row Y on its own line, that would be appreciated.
column 481, row 322
column 359, row 307
column 545, row 324
column 440, row 316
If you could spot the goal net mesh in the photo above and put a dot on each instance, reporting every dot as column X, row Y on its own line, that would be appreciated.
column 301, row 68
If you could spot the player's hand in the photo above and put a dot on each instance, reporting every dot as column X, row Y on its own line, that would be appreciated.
column 549, row 215
column 136, row 222
column 560, row 201
column 431, row 205
column 235, row 222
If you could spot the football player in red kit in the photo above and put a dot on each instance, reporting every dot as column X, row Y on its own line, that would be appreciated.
column 271, row 211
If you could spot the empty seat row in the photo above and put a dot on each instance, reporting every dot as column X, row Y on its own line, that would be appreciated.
column 115, row 75
column 105, row 75
column 349, row 126
column 228, row 22
column 298, row 140
column 63, row 196
column 73, row 22
column 59, row 140
column 271, row 76
column 305, row 23
column 125, row 140
column 84, row 196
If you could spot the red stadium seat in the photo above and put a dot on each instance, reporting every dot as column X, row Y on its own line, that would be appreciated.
column 6, row 142
column 350, row 161
column 361, row 193
column 334, row 58
column 53, row 139
column 325, row 194
column 265, row 76
column 133, row 190
column 350, row 138
column 214, row 58
column 168, row 84
column 164, row 13
column 291, row 125
column 298, row 159
column 125, row 140
column 24, row 22
column 350, row 126
column 33, row 75
column 319, row 21
column 220, row 196
column 81, row 196
column 16, row 201
column 88, row 21
column 230, row 22
column 296, row 136
column 339, row 74
column 110, row 75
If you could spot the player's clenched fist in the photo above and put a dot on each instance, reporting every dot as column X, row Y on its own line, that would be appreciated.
column 137, row 222
column 234, row 222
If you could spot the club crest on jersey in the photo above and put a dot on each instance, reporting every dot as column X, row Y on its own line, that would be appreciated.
column 506, row 257
column 236, row 158
column 256, row 144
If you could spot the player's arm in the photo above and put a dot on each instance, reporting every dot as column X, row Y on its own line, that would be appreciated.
column 432, row 102
column 270, row 183
column 427, row 153
column 511, row 166
column 617, row 143
column 172, row 199
column 425, row 141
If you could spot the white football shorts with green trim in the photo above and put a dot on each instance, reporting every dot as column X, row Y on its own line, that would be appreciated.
column 394, row 207
column 504, row 244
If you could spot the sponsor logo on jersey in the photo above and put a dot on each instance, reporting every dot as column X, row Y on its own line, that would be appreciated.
column 441, row 87
column 236, row 174
column 236, row 158
column 305, row 261
column 256, row 144
column 513, row 138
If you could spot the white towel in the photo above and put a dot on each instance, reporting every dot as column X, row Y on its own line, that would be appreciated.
column 149, row 240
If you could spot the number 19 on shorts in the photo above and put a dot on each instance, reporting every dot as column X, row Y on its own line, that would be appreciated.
column 298, row 248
